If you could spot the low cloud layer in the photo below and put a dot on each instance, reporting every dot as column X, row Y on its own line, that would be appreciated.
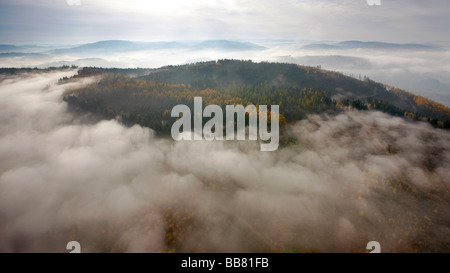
column 422, row 72
column 350, row 179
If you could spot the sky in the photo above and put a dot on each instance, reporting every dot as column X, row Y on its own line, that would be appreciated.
column 82, row 21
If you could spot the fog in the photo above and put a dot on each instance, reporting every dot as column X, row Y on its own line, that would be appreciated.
column 423, row 72
column 350, row 179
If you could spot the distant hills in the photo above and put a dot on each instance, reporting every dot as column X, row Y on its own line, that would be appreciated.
column 228, row 45
column 121, row 46
column 118, row 46
column 8, row 48
column 97, row 53
column 112, row 46
column 20, row 54
column 369, row 45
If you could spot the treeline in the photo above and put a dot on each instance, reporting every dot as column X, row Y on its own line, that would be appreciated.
column 426, row 107
column 92, row 71
column 98, row 71
column 15, row 71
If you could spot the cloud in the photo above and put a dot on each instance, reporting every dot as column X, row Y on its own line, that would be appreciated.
column 409, row 70
column 352, row 178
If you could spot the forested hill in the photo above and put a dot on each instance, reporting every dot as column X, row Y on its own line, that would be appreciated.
column 146, row 96
column 225, row 73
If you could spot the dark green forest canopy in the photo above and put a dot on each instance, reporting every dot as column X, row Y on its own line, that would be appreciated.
column 146, row 96
column 224, row 73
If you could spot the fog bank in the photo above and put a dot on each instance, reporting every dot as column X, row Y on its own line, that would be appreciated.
column 350, row 179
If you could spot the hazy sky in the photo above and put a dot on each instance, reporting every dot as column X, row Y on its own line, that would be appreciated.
column 63, row 21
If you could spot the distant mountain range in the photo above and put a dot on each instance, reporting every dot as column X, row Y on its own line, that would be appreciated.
column 228, row 45
column 21, row 54
column 118, row 46
column 369, row 45
column 113, row 46
column 7, row 48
